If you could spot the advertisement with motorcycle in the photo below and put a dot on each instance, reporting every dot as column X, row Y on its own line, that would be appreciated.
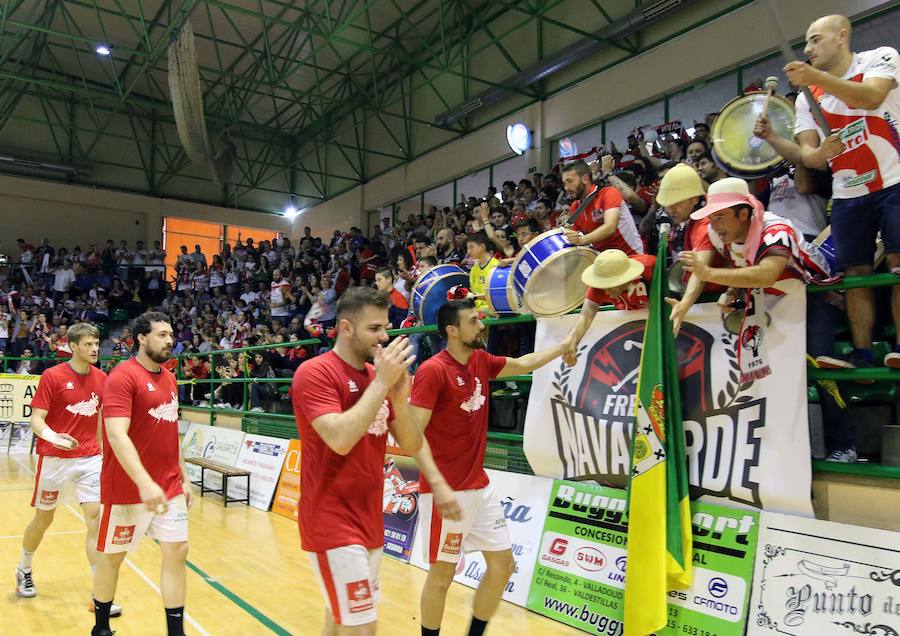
column 400, row 505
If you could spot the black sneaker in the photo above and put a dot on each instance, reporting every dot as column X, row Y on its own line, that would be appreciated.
column 102, row 632
column 850, row 361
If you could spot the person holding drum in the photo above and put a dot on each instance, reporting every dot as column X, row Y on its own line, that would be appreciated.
column 481, row 249
column 599, row 216
column 614, row 279
column 859, row 96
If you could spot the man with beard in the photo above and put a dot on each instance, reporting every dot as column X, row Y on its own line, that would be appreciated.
column 68, row 399
column 144, row 485
column 445, row 245
column 605, row 222
column 344, row 407
column 460, row 511
column 709, row 169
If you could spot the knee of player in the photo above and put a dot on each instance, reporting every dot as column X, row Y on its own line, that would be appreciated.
column 43, row 518
column 441, row 574
column 175, row 552
column 504, row 563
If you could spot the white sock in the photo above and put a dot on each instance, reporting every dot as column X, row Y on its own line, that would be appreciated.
column 25, row 560
column 93, row 571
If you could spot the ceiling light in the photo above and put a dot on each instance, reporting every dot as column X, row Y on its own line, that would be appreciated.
column 104, row 50
column 291, row 212
column 518, row 136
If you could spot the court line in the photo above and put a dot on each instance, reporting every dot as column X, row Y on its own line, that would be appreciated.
column 191, row 621
column 237, row 600
column 46, row 534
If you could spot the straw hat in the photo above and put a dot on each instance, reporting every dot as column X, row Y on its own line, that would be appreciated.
column 679, row 184
column 611, row 268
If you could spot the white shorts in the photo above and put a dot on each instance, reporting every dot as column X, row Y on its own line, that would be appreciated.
column 53, row 473
column 348, row 578
column 482, row 527
column 122, row 526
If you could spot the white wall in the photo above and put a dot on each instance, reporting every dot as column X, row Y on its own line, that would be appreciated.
column 737, row 37
column 71, row 215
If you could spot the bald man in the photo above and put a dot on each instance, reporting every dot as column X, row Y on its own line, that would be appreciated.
column 860, row 99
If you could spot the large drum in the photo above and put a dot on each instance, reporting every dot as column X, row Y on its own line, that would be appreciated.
column 736, row 149
column 502, row 297
column 430, row 291
column 547, row 274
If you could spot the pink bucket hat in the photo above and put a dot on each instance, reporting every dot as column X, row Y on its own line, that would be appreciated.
column 725, row 193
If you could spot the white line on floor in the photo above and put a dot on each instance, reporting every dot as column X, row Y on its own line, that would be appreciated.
column 136, row 569
column 46, row 534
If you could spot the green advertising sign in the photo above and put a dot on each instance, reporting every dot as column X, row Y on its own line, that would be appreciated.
column 579, row 576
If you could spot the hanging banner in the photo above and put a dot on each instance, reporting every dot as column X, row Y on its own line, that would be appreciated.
column 287, row 496
column 20, row 438
column 579, row 577
column 16, row 392
column 264, row 457
column 747, row 444
column 524, row 501
column 214, row 443
column 823, row 578
column 400, row 505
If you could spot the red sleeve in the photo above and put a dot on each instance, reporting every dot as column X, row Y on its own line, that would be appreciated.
column 777, row 240
column 117, row 394
column 698, row 236
column 44, row 394
column 494, row 363
column 649, row 263
column 427, row 384
column 609, row 198
column 315, row 393
column 597, row 296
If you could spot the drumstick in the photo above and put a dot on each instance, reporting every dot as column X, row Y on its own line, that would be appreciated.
column 771, row 85
column 788, row 53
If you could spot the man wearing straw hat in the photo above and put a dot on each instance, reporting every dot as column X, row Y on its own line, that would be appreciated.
column 614, row 279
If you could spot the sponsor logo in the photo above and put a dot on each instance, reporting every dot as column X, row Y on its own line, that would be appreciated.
column 621, row 563
column 123, row 535
column 559, row 546
column 460, row 381
column 359, row 596
column 150, row 387
column 475, row 401
column 556, row 552
column 351, row 385
column 717, row 587
column 590, row 559
column 594, row 416
column 452, row 543
column 379, row 426
column 49, row 497
column 861, row 179
column 69, row 385
column 85, row 408
column 167, row 411
column 855, row 134
column 519, row 514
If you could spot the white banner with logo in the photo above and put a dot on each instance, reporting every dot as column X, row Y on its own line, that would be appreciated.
column 524, row 500
column 16, row 392
column 823, row 578
column 263, row 456
column 214, row 443
column 747, row 444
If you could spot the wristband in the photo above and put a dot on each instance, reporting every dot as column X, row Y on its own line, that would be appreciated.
column 53, row 437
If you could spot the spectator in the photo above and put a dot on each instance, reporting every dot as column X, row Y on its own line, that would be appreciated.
column 709, row 169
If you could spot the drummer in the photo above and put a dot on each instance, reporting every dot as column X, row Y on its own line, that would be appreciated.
column 480, row 249
column 681, row 193
column 614, row 279
column 606, row 222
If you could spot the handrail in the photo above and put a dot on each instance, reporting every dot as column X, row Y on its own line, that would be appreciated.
column 857, row 282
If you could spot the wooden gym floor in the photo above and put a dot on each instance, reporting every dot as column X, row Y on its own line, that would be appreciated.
column 246, row 575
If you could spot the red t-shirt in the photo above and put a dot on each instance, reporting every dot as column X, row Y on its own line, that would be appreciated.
column 696, row 238
column 457, row 396
column 625, row 237
column 636, row 296
column 63, row 350
column 151, row 401
column 398, row 299
column 340, row 495
column 72, row 402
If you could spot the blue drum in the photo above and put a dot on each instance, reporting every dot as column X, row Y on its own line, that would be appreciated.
column 430, row 291
column 502, row 297
column 547, row 274
column 826, row 248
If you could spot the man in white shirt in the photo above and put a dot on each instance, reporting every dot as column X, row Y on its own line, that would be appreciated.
column 249, row 296
column 63, row 279
column 281, row 296
column 859, row 96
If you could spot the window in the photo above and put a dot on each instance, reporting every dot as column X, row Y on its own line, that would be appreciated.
column 189, row 232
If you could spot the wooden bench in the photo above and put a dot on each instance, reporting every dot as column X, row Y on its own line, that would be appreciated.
column 226, row 472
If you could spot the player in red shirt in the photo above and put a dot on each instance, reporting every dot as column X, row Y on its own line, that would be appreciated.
column 614, row 279
column 459, row 510
column 144, row 486
column 606, row 222
column 344, row 407
column 65, row 416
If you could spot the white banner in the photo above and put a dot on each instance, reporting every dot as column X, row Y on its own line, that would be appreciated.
column 16, row 392
column 747, row 444
column 524, row 499
column 263, row 456
column 214, row 443
column 823, row 578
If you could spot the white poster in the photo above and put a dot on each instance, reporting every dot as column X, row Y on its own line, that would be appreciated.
column 747, row 444
column 823, row 578
column 263, row 457
column 20, row 438
column 524, row 500
column 214, row 443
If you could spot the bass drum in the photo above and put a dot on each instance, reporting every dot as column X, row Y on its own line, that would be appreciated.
column 736, row 149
